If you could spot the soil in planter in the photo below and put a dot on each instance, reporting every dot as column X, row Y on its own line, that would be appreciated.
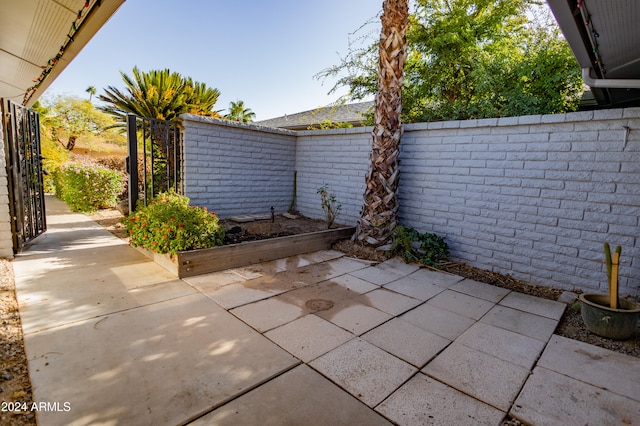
column 265, row 229
column 113, row 220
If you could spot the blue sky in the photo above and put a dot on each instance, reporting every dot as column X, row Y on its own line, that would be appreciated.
column 265, row 53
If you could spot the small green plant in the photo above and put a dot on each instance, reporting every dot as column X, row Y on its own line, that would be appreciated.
column 413, row 246
column 329, row 205
column 169, row 225
column 87, row 186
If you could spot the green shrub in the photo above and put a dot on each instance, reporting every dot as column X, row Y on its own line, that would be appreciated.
column 53, row 157
column 413, row 246
column 169, row 225
column 87, row 187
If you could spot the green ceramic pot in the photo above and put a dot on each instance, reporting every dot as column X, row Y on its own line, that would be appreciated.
column 600, row 319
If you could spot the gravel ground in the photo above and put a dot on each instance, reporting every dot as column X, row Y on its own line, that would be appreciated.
column 15, row 385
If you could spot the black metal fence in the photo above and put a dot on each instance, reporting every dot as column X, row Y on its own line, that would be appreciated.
column 154, row 163
column 21, row 129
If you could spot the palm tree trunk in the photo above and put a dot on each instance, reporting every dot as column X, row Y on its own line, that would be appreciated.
column 380, row 210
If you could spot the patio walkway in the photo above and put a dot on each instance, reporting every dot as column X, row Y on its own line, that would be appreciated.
column 318, row 339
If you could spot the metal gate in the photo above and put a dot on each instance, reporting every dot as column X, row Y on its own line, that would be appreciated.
column 24, row 168
column 155, row 158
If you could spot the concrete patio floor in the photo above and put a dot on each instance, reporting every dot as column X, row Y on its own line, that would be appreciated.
column 317, row 339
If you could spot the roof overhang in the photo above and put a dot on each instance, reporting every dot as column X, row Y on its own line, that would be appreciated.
column 39, row 38
column 605, row 39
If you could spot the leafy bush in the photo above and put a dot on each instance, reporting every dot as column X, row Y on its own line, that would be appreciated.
column 413, row 246
column 169, row 225
column 87, row 187
column 53, row 157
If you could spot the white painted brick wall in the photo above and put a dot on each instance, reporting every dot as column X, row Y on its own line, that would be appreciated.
column 6, row 241
column 336, row 158
column 533, row 196
column 234, row 168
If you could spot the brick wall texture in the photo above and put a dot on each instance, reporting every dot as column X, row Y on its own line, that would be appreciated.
column 235, row 169
column 533, row 196
column 6, row 241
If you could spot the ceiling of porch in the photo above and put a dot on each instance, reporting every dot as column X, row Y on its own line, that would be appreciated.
column 39, row 38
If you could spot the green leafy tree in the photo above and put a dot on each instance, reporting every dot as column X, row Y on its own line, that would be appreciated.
column 238, row 112
column 475, row 59
column 66, row 118
column 54, row 155
column 159, row 94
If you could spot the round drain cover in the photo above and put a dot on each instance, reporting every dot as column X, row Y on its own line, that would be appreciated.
column 319, row 304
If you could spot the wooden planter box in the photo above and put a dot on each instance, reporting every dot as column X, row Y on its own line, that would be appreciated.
column 203, row 261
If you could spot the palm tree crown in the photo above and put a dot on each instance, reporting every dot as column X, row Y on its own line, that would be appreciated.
column 159, row 94
column 238, row 112
column 91, row 90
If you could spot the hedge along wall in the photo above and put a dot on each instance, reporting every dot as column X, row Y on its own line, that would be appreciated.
column 233, row 168
column 533, row 196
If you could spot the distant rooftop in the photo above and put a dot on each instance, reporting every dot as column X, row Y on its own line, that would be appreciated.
column 348, row 113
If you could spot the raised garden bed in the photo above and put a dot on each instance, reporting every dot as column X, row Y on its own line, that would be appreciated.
column 203, row 261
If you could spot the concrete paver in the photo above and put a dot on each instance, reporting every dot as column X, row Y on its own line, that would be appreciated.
column 549, row 399
column 287, row 264
column 211, row 282
column 327, row 293
column 354, row 317
column 285, row 401
column 53, row 299
column 50, row 260
column 238, row 294
column 535, row 305
column 309, row 337
column 234, row 295
column 388, row 301
column 398, row 266
column 364, row 370
column 132, row 367
column 504, row 344
column 355, row 284
column 597, row 366
column 483, row 376
column 124, row 342
column 344, row 265
column 377, row 275
column 424, row 401
column 407, row 341
column 414, row 288
column 268, row 314
column 531, row 325
column 439, row 321
column 462, row 304
column 480, row 290
column 441, row 279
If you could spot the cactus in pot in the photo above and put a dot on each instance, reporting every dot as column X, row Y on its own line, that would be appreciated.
column 613, row 263
column 608, row 315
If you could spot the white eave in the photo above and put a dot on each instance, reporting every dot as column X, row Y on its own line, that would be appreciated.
column 39, row 38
